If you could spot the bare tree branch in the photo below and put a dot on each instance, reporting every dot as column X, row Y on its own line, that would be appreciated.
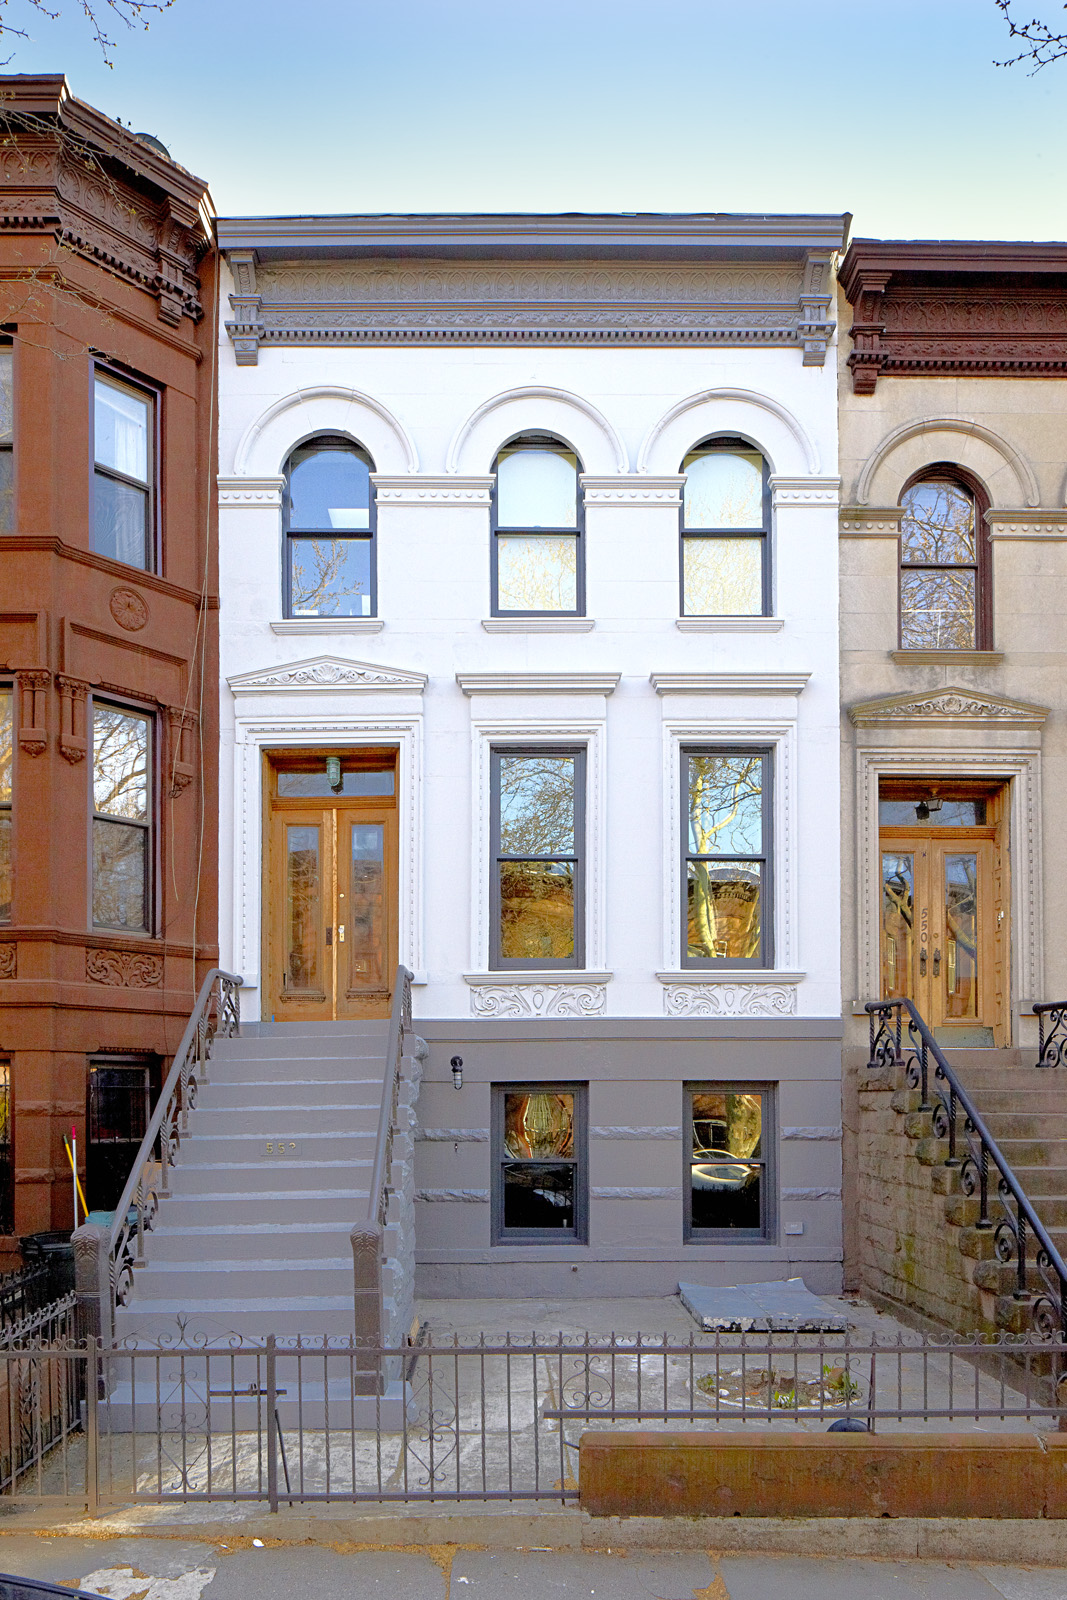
column 1042, row 45
column 97, row 13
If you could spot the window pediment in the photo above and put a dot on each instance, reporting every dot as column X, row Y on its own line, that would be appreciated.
column 327, row 673
column 947, row 705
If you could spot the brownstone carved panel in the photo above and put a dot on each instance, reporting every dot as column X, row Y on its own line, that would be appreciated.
column 8, row 961
column 131, row 969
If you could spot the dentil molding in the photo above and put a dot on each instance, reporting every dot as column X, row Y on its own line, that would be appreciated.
column 558, row 302
column 253, row 494
column 423, row 489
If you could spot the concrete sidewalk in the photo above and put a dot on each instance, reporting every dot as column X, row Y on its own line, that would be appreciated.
column 134, row 1568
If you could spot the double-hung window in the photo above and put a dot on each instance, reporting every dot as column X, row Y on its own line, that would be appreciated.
column 726, row 519
column 727, row 857
column 944, row 560
column 122, row 819
column 7, row 438
column 538, row 828
column 728, row 1137
column 540, row 1169
column 7, row 751
column 329, row 530
column 124, row 477
column 537, row 530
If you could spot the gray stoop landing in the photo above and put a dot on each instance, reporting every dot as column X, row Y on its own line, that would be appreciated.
column 271, row 1177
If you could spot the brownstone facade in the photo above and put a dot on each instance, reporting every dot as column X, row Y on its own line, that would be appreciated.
column 108, row 620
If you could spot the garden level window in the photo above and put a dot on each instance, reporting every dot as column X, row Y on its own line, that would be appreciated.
column 540, row 1182
column 122, row 819
column 330, row 522
column 7, row 438
column 538, row 827
column 727, row 1139
column 124, row 450
column 7, row 1169
column 726, row 511
column 726, row 857
column 944, row 561
column 537, row 526
column 7, row 751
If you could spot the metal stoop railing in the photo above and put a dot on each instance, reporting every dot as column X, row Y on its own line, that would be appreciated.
column 105, row 1259
column 1019, row 1237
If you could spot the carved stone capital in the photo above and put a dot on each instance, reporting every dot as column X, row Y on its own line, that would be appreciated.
column 33, row 710
column 73, row 734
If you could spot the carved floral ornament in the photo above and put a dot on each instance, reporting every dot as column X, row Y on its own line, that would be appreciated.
column 539, row 1000
column 131, row 969
column 327, row 672
column 129, row 609
column 730, row 999
column 557, row 303
column 947, row 705
column 8, row 961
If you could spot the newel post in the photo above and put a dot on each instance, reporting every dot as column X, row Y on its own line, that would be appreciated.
column 93, row 1309
column 367, row 1242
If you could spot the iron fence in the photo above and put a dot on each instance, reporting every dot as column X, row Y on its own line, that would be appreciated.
column 279, row 1421
column 41, row 1387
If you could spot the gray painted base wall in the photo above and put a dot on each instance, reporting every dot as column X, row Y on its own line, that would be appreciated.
column 636, row 1071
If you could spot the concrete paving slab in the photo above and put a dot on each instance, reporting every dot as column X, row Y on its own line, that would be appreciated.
column 531, row 1575
column 1035, row 1583
column 786, row 1305
column 768, row 1577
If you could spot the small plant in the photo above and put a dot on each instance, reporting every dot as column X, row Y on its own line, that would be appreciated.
column 838, row 1384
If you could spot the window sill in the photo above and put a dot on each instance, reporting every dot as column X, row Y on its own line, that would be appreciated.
column 328, row 625
column 538, row 624
column 947, row 658
column 524, row 975
column 730, row 975
column 729, row 624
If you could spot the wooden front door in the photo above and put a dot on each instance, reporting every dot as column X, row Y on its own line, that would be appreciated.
column 944, row 912
column 331, row 888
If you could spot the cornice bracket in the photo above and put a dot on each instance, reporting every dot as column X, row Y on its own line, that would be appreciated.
column 246, row 330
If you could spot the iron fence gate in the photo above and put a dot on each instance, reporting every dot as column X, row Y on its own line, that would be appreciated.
column 297, row 1420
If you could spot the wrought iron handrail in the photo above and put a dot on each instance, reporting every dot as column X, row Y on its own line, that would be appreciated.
column 1049, row 1308
column 399, row 1029
column 1052, row 1045
column 217, row 1011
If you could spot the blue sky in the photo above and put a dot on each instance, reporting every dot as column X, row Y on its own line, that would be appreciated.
column 891, row 109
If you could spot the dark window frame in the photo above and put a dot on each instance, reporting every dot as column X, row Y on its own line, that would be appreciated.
column 134, row 1061
column 9, row 686
column 768, row 1231
column 981, row 566
column 498, row 962
column 368, row 536
column 7, row 1150
column 765, row 961
column 153, row 392
column 153, row 854
column 730, row 444
column 536, row 441
column 7, row 342
column 579, row 1233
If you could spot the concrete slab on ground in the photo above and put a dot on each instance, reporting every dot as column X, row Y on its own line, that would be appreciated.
column 786, row 1305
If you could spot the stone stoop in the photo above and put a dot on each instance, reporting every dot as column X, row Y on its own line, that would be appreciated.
column 920, row 1245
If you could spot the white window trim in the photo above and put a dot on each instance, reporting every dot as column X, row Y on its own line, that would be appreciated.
column 780, row 737
column 253, row 735
column 488, row 732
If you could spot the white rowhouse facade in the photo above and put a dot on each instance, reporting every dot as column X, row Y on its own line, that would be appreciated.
column 547, row 710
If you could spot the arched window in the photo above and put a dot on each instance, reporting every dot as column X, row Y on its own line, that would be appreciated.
column 944, row 559
column 726, row 519
column 537, row 526
column 329, row 530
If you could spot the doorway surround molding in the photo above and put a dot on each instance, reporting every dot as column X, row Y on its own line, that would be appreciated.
column 283, row 708
column 952, row 733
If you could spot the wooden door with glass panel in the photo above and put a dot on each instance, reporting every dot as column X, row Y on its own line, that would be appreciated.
column 944, row 909
column 332, row 887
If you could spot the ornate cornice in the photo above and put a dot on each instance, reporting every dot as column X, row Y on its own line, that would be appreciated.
column 1029, row 523
column 813, row 491
column 325, row 673
column 947, row 705
column 73, row 176
column 922, row 309
column 639, row 489
column 390, row 301
column 871, row 522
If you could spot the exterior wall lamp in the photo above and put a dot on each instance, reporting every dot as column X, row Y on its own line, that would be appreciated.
column 457, row 1071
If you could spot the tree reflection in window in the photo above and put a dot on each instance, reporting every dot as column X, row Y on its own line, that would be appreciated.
column 536, row 528
column 121, row 819
column 536, row 797
column 727, row 1162
column 726, row 859
column 538, row 1162
column 329, row 524
column 938, row 568
column 725, row 522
